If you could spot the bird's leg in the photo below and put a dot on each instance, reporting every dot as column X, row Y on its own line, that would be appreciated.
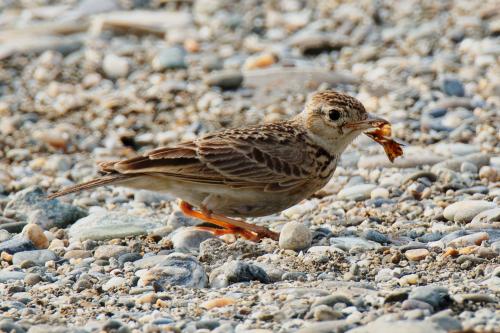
column 247, row 230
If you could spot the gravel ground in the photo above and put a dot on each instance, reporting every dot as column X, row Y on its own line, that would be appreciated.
column 406, row 247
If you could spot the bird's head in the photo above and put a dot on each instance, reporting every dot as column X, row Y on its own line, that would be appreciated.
column 334, row 120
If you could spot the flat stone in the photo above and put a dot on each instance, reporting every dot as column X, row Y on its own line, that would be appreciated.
column 295, row 236
column 110, row 251
column 113, row 283
column 6, row 276
column 356, row 192
column 407, row 326
column 38, row 257
column 57, row 214
column 487, row 216
column 77, row 254
column 237, row 271
column 16, row 244
column 472, row 239
column 109, row 225
column 349, row 243
column 416, row 254
column 438, row 297
column 177, row 269
column 376, row 236
column 465, row 211
column 226, row 79
column 329, row 326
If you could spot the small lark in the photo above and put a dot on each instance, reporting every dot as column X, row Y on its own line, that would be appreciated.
column 250, row 171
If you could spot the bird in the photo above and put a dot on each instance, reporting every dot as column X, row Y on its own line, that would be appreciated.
column 249, row 171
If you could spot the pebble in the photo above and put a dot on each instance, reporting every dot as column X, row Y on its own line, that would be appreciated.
column 473, row 239
column 218, row 303
column 488, row 173
column 237, row 271
column 115, row 66
column 110, row 225
column 176, row 269
column 350, row 243
column 129, row 257
column 32, row 279
column 438, row 297
column 10, row 327
column 190, row 238
column 489, row 216
column 416, row 254
column 170, row 58
column 376, row 236
column 56, row 214
column 77, row 254
column 6, row 275
column 38, row 257
column 110, row 251
column 295, row 236
column 453, row 87
column 407, row 326
column 356, row 192
column 16, row 244
column 226, row 80
column 35, row 234
column 379, row 192
column 464, row 211
column 114, row 283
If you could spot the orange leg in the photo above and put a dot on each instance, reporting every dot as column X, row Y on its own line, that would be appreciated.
column 249, row 231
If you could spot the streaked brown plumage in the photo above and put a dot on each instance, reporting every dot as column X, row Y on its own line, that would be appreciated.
column 251, row 171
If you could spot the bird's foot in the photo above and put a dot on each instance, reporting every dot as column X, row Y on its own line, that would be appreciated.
column 227, row 225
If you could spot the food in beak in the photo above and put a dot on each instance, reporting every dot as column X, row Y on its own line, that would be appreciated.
column 382, row 135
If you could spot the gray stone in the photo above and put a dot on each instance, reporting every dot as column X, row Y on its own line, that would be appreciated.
column 39, row 257
column 177, row 269
column 10, row 327
column 295, row 236
column 6, row 276
column 438, row 297
column 129, row 257
column 110, row 251
column 57, row 214
column 464, row 211
column 453, row 87
column 109, row 225
column 349, row 243
column 16, row 244
column 237, row 271
column 356, row 192
column 190, row 238
column 227, row 79
column 376, row 236
column 407, row 326
column 446, row 321
column 170, row 58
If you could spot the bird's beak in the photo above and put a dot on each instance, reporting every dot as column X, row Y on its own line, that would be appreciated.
column 372, row 122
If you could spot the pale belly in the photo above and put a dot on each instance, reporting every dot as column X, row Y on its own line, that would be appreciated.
column 226, row 201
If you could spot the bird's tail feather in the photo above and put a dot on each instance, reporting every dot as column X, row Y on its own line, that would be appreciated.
column 105, row 180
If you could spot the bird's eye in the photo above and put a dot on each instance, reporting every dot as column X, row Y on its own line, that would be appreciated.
column 334, row 115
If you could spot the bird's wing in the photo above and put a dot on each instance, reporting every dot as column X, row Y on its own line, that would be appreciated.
column 274, row 157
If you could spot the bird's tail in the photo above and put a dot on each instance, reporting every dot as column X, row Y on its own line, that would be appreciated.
column 105, row 180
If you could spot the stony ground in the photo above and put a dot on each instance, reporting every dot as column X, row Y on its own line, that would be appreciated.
column 406, row 247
